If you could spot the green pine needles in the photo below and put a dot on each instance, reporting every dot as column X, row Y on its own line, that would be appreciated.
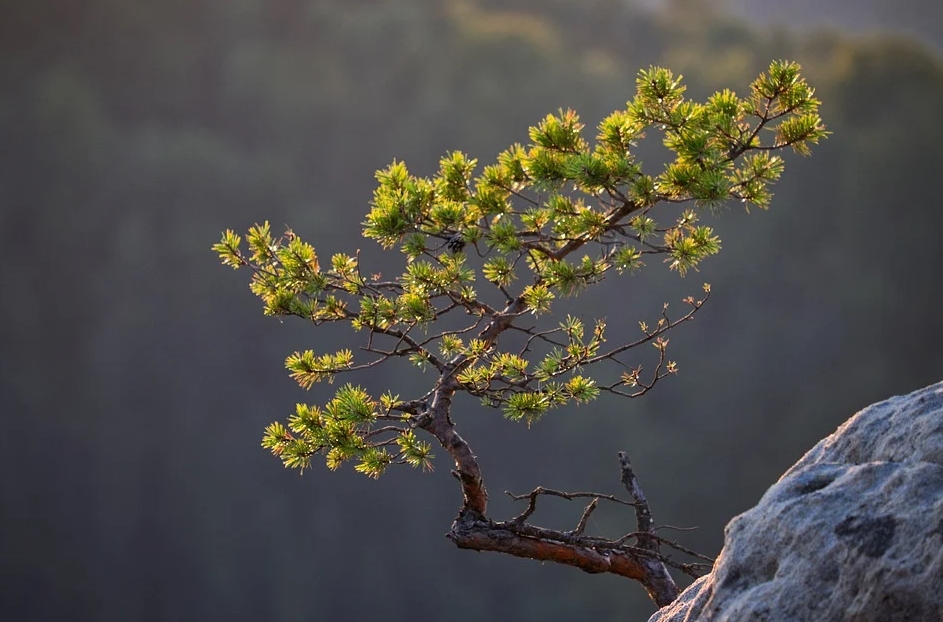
column 546, row 220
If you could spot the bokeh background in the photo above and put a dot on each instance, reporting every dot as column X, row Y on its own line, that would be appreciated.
column 137, row 374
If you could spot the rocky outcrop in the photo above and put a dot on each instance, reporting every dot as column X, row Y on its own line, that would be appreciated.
column 853, row 531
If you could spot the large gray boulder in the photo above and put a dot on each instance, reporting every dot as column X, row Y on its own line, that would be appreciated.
column 853, row 531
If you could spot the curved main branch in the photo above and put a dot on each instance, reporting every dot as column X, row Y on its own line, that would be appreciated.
column 437, row 422
column 481, row 534
column 641, row 560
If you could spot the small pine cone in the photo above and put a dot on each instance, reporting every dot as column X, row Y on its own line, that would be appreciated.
column 456, row 242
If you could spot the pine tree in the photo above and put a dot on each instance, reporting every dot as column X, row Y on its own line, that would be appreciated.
column 546, row 220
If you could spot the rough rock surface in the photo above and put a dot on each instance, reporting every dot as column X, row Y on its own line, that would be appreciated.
column 853, row 531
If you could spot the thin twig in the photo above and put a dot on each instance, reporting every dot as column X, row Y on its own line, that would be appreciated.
column 581, row 526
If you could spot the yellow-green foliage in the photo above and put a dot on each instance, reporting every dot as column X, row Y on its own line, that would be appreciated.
column 545, row 220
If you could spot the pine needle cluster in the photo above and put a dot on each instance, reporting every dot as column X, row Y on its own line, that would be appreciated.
column 544, row 221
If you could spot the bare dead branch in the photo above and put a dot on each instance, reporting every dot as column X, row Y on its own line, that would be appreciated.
column 643, row 514
column 587, row 512
column 669, row 543
column 635, row 555
column 673, row 528
column 661, row 587
column 540, row 490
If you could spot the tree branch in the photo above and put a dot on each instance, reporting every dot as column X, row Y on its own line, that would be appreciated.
column 642, row 561
column 480, row 534
column 658, row 582
column 437, row 422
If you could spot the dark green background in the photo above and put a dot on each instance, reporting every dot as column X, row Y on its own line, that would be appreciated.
column 136, row 374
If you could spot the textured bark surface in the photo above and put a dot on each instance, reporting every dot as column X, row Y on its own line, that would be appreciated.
column 657, row 580
column 479, row 534
column 438, row 423
column 635, row 556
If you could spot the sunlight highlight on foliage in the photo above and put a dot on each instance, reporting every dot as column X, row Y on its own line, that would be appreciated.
column 546, row 220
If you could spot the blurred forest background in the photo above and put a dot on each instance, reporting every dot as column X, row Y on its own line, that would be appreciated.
column 137, row 373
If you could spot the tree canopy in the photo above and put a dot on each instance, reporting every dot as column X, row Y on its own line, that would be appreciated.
column 545, row 220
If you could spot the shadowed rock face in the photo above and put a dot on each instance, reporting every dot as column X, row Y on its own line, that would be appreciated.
column 853, row 531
